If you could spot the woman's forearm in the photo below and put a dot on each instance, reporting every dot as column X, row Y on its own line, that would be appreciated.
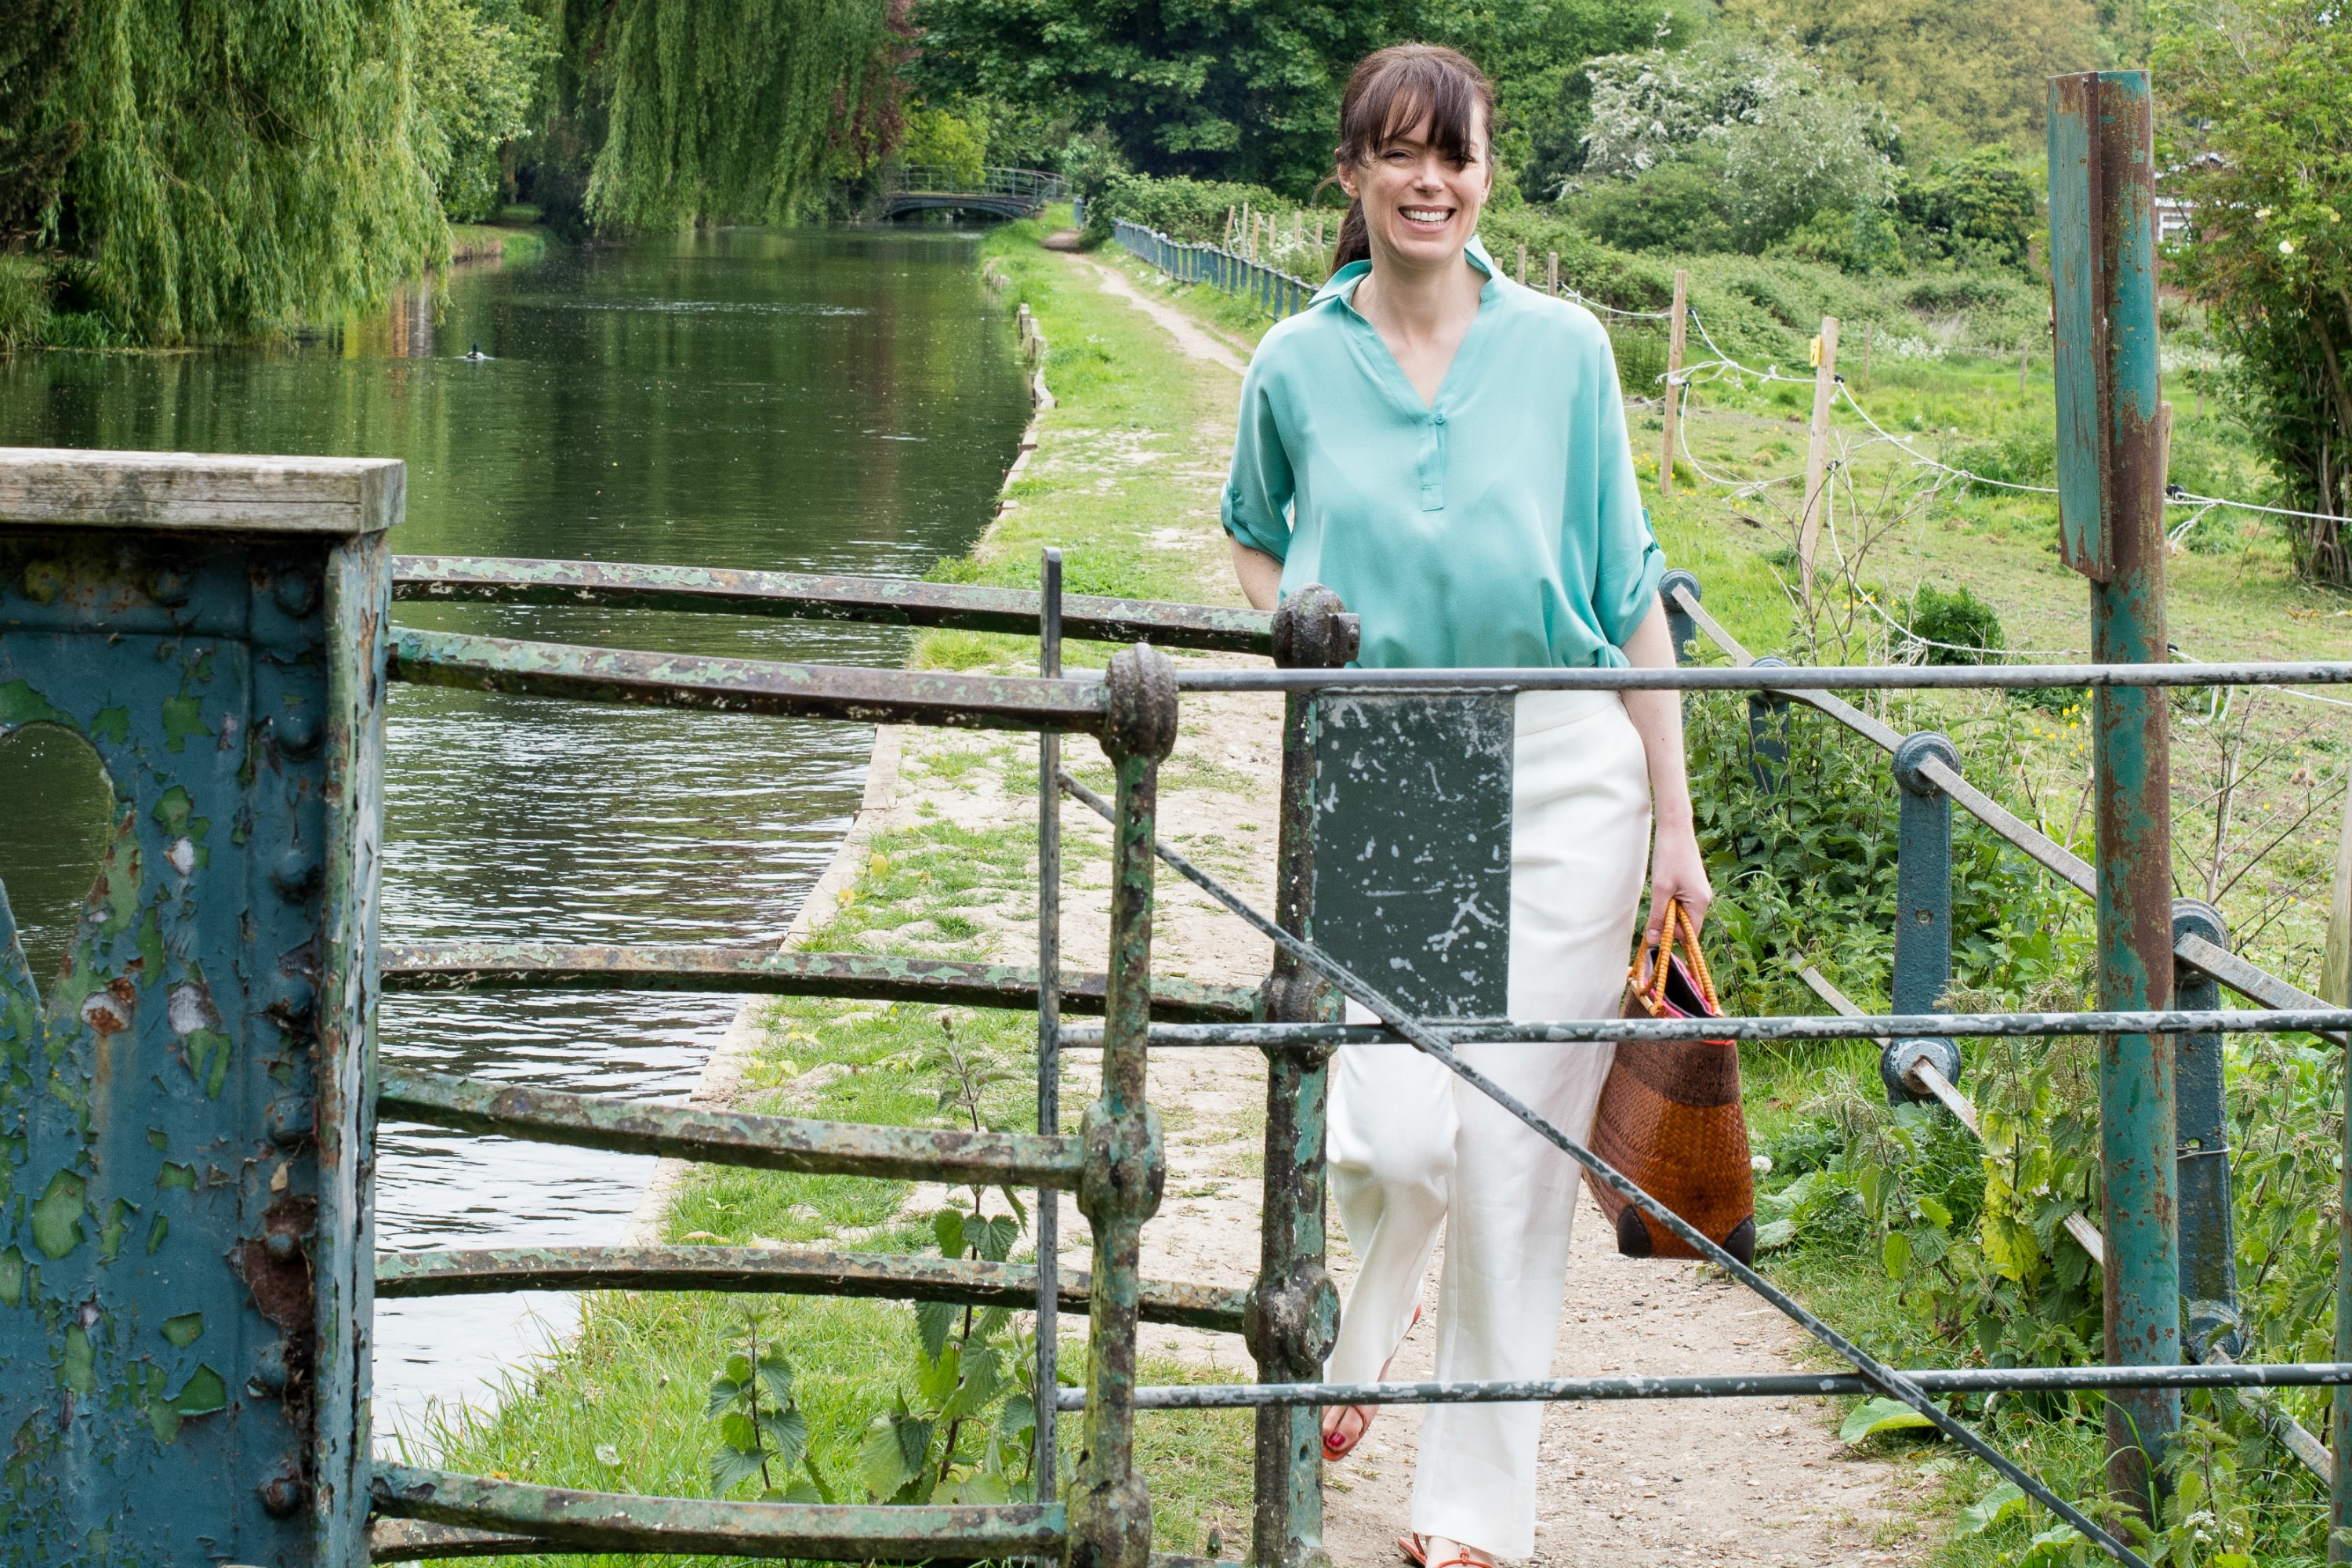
column 1658, row 718
column 1261, row 576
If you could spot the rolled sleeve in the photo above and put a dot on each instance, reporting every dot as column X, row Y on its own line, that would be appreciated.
column 1629, row 563
column 1256, row 507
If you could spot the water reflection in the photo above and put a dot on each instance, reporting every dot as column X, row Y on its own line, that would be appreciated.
column 820, row 400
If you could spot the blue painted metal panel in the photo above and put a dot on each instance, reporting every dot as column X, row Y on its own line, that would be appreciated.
column 182, row 1188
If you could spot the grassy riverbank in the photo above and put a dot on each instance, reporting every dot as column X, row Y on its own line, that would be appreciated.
column 623, row 1407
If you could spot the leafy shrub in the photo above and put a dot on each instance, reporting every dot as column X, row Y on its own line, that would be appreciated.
column 1953, row 629
column 1676, row 206
column 24, row 288
column 1190, row 210
column 1976, row 210
column 2026, row 457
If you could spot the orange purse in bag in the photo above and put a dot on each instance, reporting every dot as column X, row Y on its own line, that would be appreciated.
column 1670, row 1117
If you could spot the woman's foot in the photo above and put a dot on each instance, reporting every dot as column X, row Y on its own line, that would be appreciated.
column 1344, row 1426
column 1436, row 1552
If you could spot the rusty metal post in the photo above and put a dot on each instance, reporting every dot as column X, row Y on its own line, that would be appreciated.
column 2110, row 483
column 1110, row 1511
column 1294, row 1307
column 2209, row 1261
column 188, row 1257
column 1042, row 1455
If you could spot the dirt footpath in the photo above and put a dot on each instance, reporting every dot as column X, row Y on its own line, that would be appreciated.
column 1731, row 1481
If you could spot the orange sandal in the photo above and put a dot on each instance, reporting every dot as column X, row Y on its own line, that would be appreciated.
column 1416, row 1553
column 1337, row 1443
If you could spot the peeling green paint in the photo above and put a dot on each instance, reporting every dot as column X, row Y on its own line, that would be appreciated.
column 20, row 704
column 157, row 1139
column 116, row 1225
column 111, row 724
column 12, row 1278
column 173, row 1175
column 182, row 716
column 184, row 1329
column 209, row 1053
column 79, row 1371
column 57, row 1217
column 156, row 1232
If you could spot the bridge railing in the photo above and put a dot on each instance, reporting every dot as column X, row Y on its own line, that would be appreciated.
column 1033, row 185
column 1276, row 292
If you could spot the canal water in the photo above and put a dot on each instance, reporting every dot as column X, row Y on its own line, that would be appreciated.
column 819, row 401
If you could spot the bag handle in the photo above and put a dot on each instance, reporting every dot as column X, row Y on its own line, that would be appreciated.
column 1678, row 929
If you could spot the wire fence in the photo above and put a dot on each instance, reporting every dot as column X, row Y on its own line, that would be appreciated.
column 1276, row 292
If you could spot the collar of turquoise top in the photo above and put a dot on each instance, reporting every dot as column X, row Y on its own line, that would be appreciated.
column 1343, row 282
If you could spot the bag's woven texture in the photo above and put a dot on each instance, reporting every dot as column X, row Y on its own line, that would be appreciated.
column 1670, row 1116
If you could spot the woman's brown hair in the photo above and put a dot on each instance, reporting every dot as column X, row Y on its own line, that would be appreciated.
column 1391, row 92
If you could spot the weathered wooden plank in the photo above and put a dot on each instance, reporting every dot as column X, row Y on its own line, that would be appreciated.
column 200, row 491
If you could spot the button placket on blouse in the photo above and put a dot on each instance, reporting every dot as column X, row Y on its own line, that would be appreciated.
column 1432, row 461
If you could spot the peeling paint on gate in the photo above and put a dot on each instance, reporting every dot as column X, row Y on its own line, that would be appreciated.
column 166, row 1259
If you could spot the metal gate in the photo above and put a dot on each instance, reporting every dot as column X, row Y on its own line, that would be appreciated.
column 187, row 1260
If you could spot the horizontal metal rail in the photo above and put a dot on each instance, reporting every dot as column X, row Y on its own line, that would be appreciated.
column 764, row 970
column 1729, row 1385
column 783, row 1271
column 1786, row 680
column 745, row 685
column 576, row 1522
column 1878, row 1375
column 500, row 580
column 2253, row 984
column 1837, row 1026
column 731, row 1137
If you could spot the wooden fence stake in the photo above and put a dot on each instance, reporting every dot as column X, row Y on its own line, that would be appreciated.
column 1675, row 327
column 1318, row 234
column 1523, row 261
column 2336, row 967
column 1817, row 455
column 1551, row 273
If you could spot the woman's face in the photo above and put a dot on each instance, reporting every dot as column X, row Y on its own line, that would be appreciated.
column 1421, row 208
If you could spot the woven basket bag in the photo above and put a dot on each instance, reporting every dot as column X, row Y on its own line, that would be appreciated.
column 1670, row 1117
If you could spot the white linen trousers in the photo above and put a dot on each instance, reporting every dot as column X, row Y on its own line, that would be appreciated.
column 1412, row 1148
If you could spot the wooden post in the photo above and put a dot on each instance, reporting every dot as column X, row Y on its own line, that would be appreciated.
column 1677, row 327
column 2336, row 967
column 1248, row 235
column 1229, row 228
column 1817, row 455
column 1318, row 234
column 1551, row 273
column 1523, row 261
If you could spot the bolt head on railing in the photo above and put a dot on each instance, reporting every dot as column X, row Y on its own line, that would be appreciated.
column 1915, row 751
column 1902, row 1058
column 2195, row 917
column 1313, row 630
column 1139, row 718
column 1689, row 582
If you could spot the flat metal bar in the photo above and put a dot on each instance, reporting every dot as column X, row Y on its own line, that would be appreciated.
column 579, row 1521
column 1840, row 1027
column 730, row 1137
column 607, row 584
column 744, row 685
column 779, row 1270
column 414, row 1539
column 1881, row 1376
column 1794, row 681
column 2067, row 865
column 1045, row 1454
column 2254, row 985
column 1735, row 1385
column 764, row 970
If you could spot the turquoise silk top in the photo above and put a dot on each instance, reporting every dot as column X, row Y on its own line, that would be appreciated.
column 1500, row 526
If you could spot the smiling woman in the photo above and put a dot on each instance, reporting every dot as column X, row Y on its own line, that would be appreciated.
column 1447, row 450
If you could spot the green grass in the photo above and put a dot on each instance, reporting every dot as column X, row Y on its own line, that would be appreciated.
column 24, row 288
column 513, row 243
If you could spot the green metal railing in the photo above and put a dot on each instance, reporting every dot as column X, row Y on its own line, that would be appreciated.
column 188, row 1246
column 1276, row 292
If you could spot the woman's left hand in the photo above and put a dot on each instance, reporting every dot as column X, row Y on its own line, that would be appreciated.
column 1677, row 871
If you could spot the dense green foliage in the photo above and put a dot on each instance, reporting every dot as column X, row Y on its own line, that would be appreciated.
column 36, row 142
column 2258, row 99
column 477, row 71
column 728, row 110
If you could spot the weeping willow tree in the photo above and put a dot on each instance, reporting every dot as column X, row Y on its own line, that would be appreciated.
column 240, row 164
column 732, row 111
